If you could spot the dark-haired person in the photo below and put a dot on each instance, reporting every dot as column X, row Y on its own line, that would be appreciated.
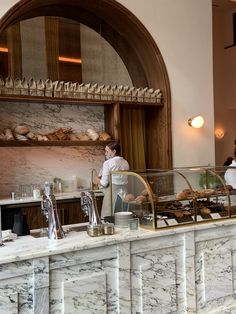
column 228, row 161
column 113, row 162
column 230, row 174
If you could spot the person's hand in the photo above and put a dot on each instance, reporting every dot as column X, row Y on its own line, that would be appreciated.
column 97, row 179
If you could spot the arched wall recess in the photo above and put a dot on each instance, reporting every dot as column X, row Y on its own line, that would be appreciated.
column 113, row 21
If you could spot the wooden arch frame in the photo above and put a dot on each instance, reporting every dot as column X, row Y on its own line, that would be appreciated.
column 129, row 37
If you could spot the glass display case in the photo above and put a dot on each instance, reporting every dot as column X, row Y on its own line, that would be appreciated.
column 175, row 197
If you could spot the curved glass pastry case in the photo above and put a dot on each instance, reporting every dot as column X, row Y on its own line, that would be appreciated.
column 167, row 198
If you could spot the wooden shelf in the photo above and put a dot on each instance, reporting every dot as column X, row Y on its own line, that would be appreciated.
column 52, row 143
column 71, row 101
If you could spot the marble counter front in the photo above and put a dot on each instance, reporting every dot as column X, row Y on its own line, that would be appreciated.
column 181, row 270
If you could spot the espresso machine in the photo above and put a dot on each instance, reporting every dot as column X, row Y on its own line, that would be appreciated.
column 49, row 209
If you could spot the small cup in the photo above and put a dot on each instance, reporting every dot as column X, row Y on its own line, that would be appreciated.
column 108, row 228
column 36, row 193
column 133, row 224
column 94, row 231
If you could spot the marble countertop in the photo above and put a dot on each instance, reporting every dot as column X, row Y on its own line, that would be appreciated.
column 27, row 247
column 59, row 196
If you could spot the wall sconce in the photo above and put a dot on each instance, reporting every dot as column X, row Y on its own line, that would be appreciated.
column 219, row 133
column 196, row 122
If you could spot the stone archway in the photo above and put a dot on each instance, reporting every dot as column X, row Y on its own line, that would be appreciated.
column 113, row 21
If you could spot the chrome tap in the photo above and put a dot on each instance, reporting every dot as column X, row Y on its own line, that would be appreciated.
column 93, row 186
column 89, row 207
column 49, row 208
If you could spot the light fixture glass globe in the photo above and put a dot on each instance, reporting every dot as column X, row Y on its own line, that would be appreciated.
column 196, row 122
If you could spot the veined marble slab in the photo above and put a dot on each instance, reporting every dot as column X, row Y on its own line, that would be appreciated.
column 26, row 247
column 35, row 165
column 174, row 271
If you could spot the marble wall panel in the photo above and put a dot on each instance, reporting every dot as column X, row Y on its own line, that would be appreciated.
column 214, row 275
column 21, row 290
column 157, row 286
column 85, row 295
column 75, row 288
column 46, row 118
column 9, row 304
column 24, row 287
column 35, row 165
column 124, row 278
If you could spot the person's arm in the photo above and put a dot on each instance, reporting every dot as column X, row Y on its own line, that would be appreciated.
column 104, row 179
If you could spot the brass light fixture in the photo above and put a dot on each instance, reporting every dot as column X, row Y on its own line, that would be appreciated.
column 196, row 122
column 219, row 133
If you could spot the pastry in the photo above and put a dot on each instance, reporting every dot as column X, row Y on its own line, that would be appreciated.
column 31, row 135
column 229, row 187
column 66, row 129
column 92, row 134
column 104, row 136
column 21, row 129
column 154, row 197
column 181, row 196
column 2, row 137
column 62, row 134
column 144, row 192
column 178, row 214
column 20, row 137
column 83, row 137
column 9, row 135
column 209, row 192
column 39, row 137
column 44, row 138
column 73, row 137
column 141, row 199
column 52, row 137
column 205, row 211
column 129, row 197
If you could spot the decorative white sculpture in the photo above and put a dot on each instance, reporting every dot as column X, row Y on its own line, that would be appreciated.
column 76, row 90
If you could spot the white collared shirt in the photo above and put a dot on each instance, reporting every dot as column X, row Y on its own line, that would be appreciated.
column 230, row 175
column 116, row 163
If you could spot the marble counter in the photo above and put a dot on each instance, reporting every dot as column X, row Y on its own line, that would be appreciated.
column 190, row 269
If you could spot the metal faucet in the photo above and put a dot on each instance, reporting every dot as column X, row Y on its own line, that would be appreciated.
column 93, row 186
column 89, row 207
column 49, row 208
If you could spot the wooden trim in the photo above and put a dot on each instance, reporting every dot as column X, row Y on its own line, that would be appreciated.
column 130, row 39
column 52, row 143
column 70, row 101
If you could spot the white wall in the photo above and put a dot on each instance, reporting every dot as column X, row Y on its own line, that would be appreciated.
column 6, row 5
column 183, row 32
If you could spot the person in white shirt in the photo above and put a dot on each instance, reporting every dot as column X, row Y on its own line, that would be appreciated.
column 114, row 162
column 230, row 174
